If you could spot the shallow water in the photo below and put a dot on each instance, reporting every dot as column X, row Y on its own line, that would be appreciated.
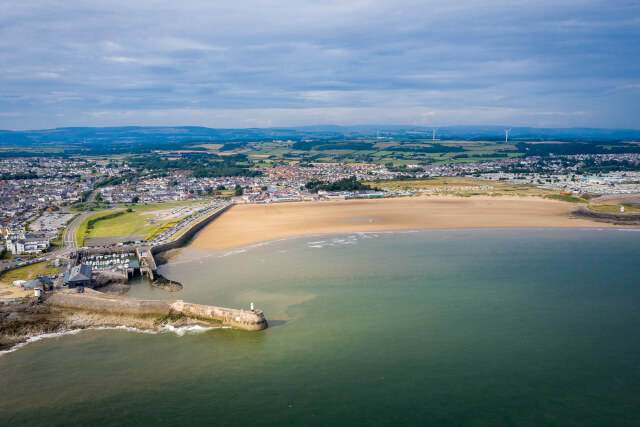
column 463, row 326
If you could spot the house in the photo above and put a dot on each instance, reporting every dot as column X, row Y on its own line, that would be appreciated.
column 45, row 282
column 78, row 276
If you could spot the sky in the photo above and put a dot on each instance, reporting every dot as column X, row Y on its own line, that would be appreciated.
column 259, row 63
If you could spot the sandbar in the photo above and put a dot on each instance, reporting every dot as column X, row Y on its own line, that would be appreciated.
column 252, row 223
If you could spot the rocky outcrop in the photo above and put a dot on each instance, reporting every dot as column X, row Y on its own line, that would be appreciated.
column 24, row 318
column 166, row 284
column 618, row 218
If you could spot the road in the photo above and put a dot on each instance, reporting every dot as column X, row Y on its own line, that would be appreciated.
column 68, row 237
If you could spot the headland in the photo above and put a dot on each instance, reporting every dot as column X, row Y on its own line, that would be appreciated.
column 249, row 224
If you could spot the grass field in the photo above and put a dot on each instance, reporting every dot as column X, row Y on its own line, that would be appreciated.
column 28, row 272
column 613, row 208
column 138, row 221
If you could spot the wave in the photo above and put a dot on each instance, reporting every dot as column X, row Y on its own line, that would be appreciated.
column 179, row 331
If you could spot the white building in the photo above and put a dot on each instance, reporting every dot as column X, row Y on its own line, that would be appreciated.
column 27, row 246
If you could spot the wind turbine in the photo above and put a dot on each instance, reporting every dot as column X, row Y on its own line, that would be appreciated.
column 506, row 135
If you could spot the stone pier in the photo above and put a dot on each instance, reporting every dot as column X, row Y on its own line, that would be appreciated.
column 93, row 301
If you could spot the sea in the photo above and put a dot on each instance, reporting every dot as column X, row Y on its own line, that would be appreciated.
column 439, row 327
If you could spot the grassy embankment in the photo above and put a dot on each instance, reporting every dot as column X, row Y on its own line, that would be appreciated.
column 121, row 222
column 28, row 272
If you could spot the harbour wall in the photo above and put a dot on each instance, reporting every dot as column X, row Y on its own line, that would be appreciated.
column 100, row 303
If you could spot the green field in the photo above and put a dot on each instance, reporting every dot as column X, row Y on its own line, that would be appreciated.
column 119, row 222
column 28, row 272
column 614, row 208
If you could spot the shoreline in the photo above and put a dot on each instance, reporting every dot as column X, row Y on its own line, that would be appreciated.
column 66, row 311
column 246, row 225
column 239, row 249
column 36, row 318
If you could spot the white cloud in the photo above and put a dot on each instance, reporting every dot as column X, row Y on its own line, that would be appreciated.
column 301, row 60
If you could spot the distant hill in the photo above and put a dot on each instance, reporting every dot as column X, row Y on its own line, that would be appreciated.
column 168, row 136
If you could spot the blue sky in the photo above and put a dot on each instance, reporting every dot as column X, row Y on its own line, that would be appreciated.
column 561, row 63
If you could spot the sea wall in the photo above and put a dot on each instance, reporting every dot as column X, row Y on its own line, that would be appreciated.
column 188, row 235
column 92, row 301
column 109, row 304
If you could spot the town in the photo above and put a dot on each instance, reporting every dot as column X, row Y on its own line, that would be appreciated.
column 45, row 200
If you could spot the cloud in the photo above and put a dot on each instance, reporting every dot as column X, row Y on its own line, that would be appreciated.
column 299, row 60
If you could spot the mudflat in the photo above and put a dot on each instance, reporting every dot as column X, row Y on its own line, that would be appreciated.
column 248, row 224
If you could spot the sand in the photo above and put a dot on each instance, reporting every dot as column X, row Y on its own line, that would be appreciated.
column 248, row 224
column 7, row 290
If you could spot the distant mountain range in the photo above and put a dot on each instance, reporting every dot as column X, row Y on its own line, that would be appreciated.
column 182, row 134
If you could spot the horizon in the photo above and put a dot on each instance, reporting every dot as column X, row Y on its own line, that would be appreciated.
column 320, row 125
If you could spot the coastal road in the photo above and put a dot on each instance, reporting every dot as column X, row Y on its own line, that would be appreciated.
column 69, row 236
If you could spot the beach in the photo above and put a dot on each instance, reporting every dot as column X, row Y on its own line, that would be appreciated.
column 249, row 224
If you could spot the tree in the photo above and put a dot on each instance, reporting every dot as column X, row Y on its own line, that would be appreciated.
column 135, row 199
column 264, row 188
column 238, row 191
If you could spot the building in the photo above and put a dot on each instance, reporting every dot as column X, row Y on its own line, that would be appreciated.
column 27, row 246
column 45, row 282
column 78, row 276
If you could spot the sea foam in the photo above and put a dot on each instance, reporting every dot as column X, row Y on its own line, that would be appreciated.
column 179, row 331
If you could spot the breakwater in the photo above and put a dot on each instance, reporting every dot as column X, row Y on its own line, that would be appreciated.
column 96, row 302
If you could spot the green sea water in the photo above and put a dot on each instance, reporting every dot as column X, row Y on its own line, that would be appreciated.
column 460, row 327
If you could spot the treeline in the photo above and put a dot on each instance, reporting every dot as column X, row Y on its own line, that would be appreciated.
column 320, row 146
column 114, row 180
column 434, row 148
column 573, row 148
column 476, row 156
column 591, row 167
column 230, row 146
column 345, row 184
column 9, row 154
column 201, row 166
column 19, row 175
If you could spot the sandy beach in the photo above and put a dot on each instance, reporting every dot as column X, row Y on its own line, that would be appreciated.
column 248, row 224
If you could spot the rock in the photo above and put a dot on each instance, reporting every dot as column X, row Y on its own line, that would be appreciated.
column 166, row 284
